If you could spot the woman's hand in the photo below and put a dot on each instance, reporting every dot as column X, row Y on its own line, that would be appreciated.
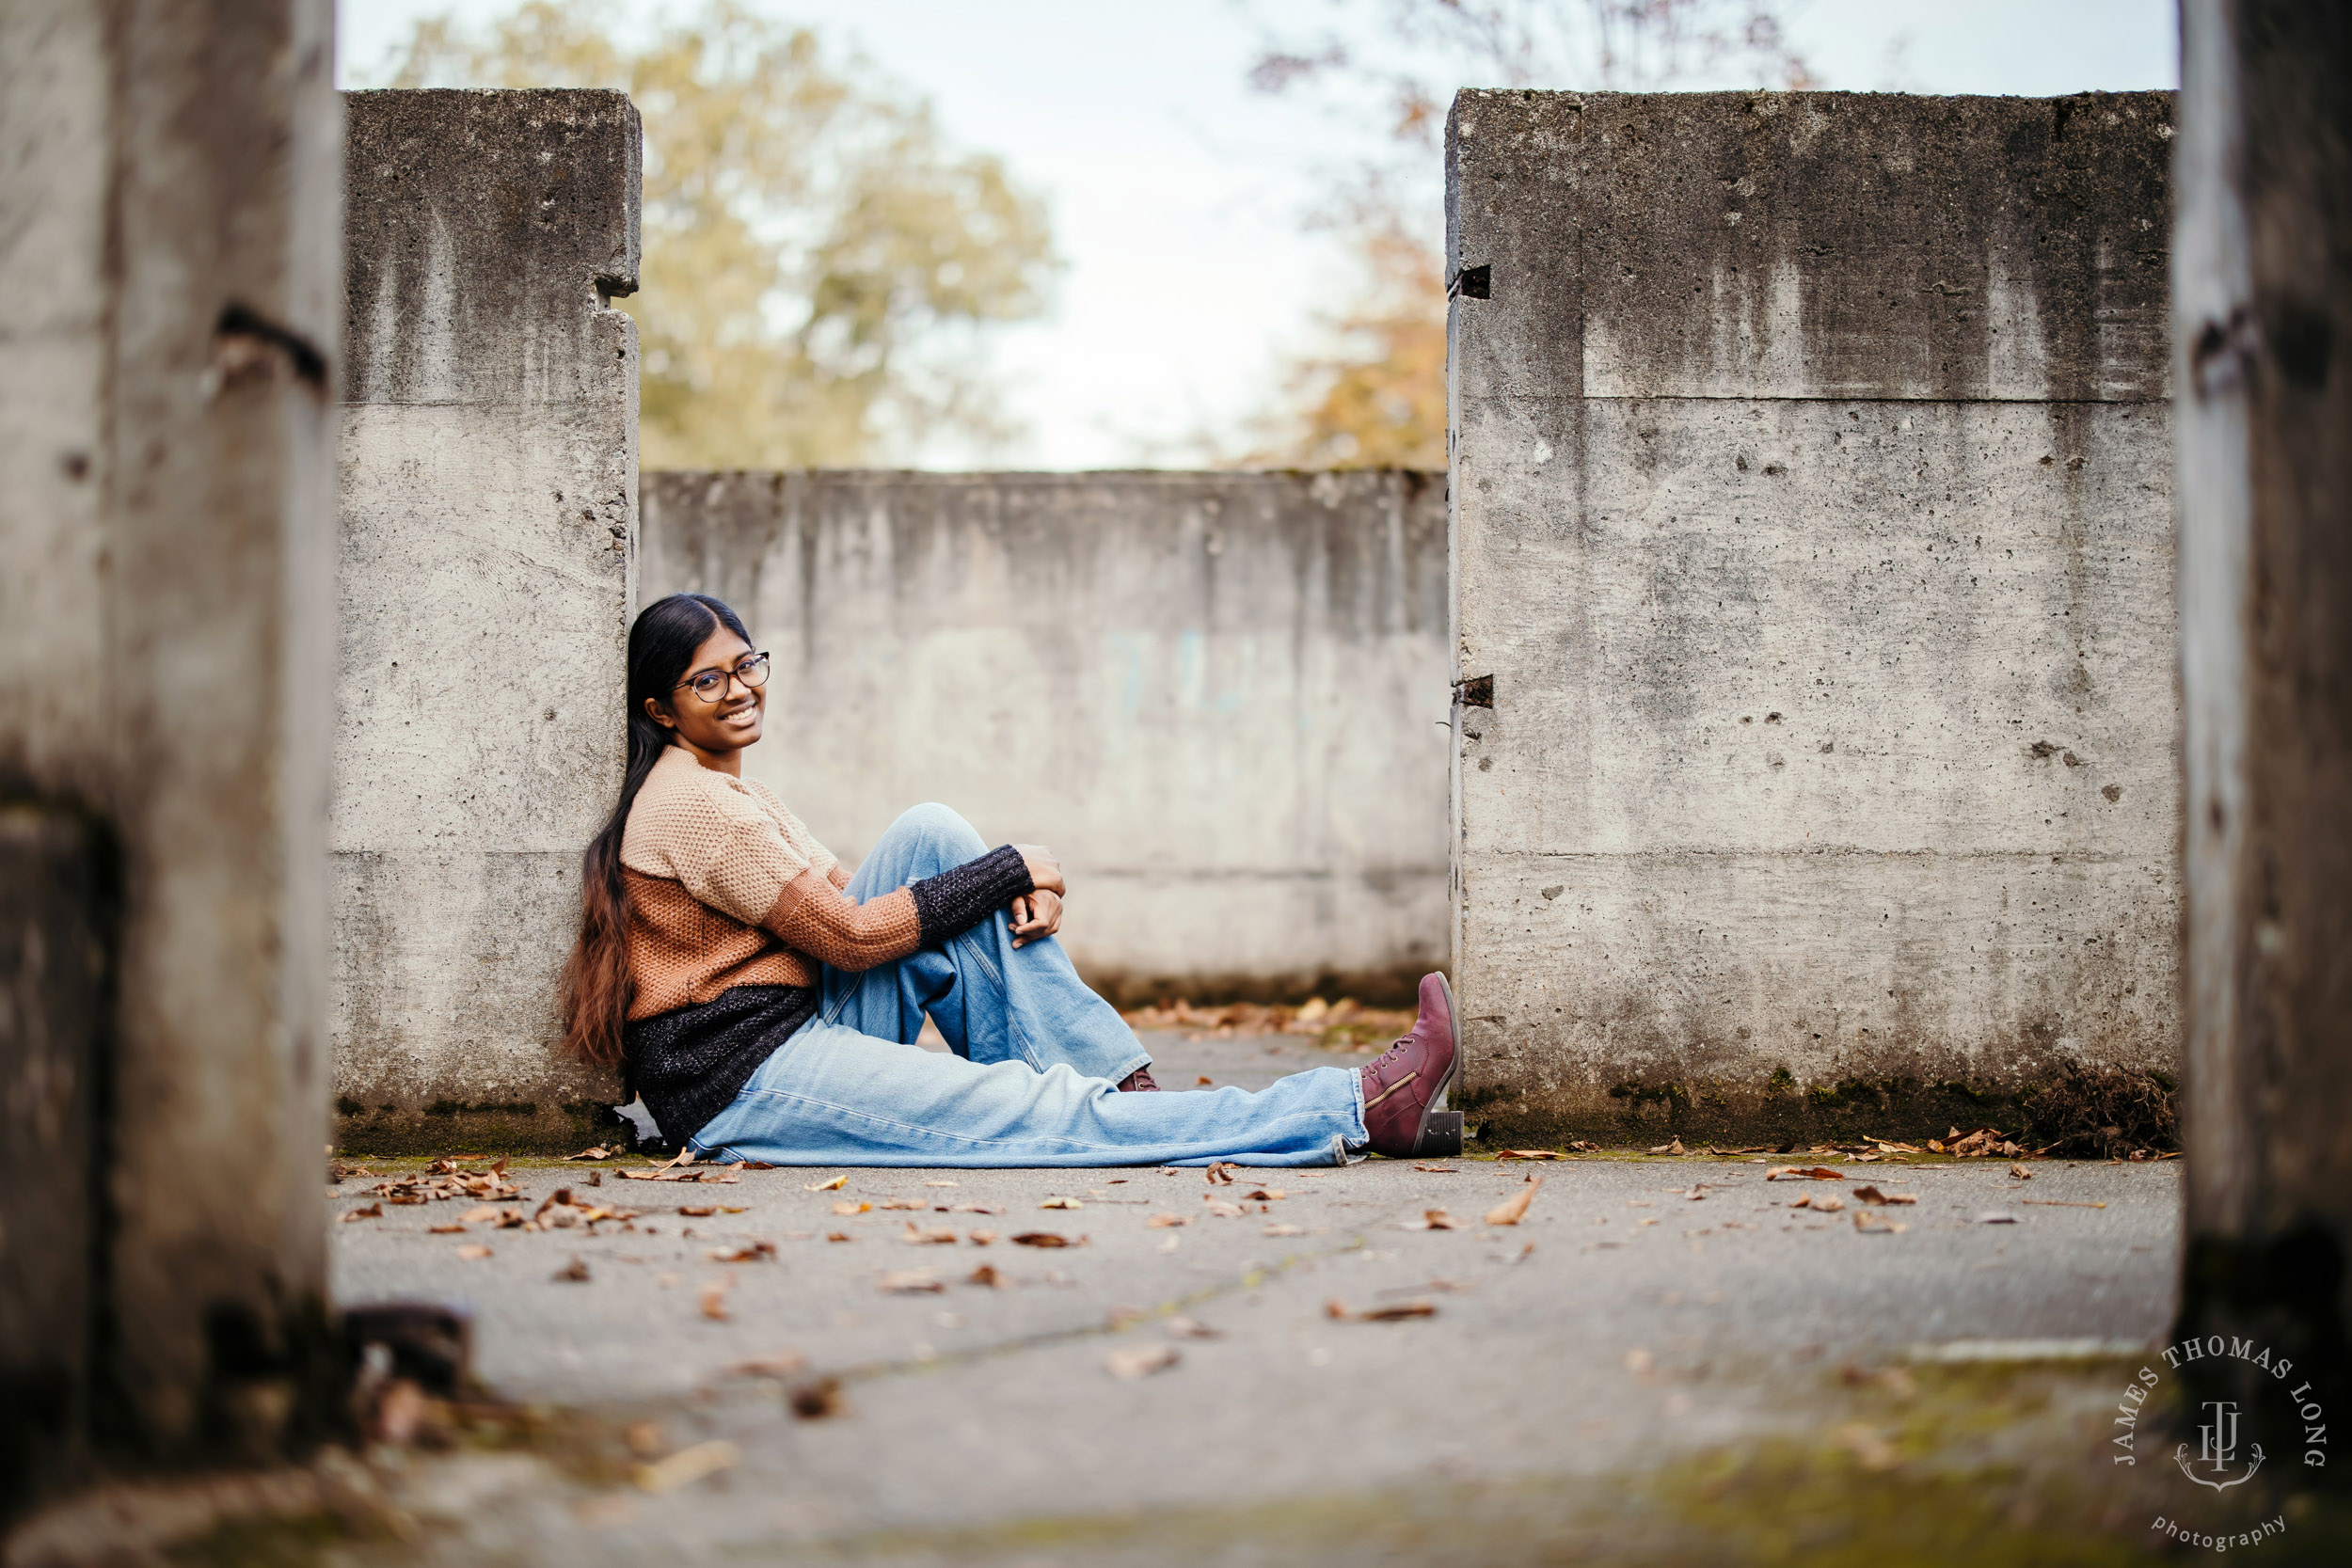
column 1045, row 870
column 1035, row 916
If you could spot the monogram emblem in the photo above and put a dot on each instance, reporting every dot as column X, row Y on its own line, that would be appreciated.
column 2217, row 1449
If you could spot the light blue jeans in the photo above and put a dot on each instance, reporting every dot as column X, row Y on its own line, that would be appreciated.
column 1036, row 1058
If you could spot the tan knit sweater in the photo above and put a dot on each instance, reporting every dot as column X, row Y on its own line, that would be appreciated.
column 727, row 888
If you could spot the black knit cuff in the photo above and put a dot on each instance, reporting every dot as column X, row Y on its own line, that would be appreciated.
column 958, row 898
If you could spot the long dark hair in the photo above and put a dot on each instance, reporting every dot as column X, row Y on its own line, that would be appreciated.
column 595, row 994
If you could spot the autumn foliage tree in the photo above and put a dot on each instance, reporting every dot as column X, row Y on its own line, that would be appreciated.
column 1370, row 393
column 1373, row 396
column 820, row 269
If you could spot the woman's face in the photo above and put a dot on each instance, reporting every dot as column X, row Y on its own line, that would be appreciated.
column 728, row 724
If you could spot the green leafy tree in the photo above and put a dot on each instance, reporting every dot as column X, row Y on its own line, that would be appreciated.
column 821, row 270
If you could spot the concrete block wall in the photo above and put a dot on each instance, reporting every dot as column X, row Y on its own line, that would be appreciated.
column 169, row 228
column 1220, row 697
column 1813, row 549
column 489, row 509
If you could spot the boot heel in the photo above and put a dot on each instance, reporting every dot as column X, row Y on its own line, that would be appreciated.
column 1441, row 1135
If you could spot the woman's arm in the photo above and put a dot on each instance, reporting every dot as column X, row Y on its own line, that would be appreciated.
column 813, row 916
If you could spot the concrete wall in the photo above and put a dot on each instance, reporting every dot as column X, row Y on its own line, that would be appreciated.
column 169, row 228
column 489, row 508
column 1812, row 520
column 1218, row 696
column 2262, row 306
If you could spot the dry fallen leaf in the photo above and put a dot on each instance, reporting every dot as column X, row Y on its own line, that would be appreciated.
column 1895, row 1380
column 833, row 1186
column 1438, row 1219
column 714, row 1297
column 917, row 1235
column 372, row 1212
column 814, row 1401
column 1503, row 1154
column 985, row 1275
column 1870, row 1451
column 981, row 1238
column 897, row 1203
column 1441, row 1170
column 1141, row 1362
column 1221, row 1170
column 2020, row 1172
column 687, row 1467
column 942, row 1183
column 1039, row 1238
column 1397, row 1312
column 1223, row 1210
column 912, row 1282
column 836, row 1236
column 1181, row 1327
column 1870, row 1219
column 576, row 1273
column 1160, row 1221
column 851, row 1207
column 1815, row 1173
column 1283, row 1230
column 1674, row 1148
column 756, row 1252
column 781, row 1363
column 1996, row 1217
column 599, row 1152
column 1335, row 1308
column 1203, row 1080
column 469, row 1253
column 1828, row 1203
column 697, row 1210
column 445, row 1230
column 1062, row 1203
column 977, row 1209
column 1510, row 1210
column 1871, row 1195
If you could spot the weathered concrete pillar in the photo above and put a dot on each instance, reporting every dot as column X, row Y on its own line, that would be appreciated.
column 170, row 173
column 1813, row 584
column 2263, row 259
column 489, row 515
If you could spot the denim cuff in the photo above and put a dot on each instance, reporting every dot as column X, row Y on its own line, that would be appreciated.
column 962, row 897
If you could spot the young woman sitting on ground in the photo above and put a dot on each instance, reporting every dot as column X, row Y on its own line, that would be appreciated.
column 764, row 1002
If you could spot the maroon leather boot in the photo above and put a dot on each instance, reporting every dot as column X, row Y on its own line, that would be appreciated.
column 1406, row 1088
column 1138, row 1082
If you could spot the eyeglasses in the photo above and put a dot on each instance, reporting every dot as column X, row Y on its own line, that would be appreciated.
column 711, row 684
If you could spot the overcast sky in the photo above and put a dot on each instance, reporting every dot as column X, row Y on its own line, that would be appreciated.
column 1179, row 196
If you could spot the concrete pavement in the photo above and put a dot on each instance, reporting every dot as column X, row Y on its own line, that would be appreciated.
column 1642, row 1311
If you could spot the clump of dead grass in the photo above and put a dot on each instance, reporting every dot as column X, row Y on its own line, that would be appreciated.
column 2103, row 1112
